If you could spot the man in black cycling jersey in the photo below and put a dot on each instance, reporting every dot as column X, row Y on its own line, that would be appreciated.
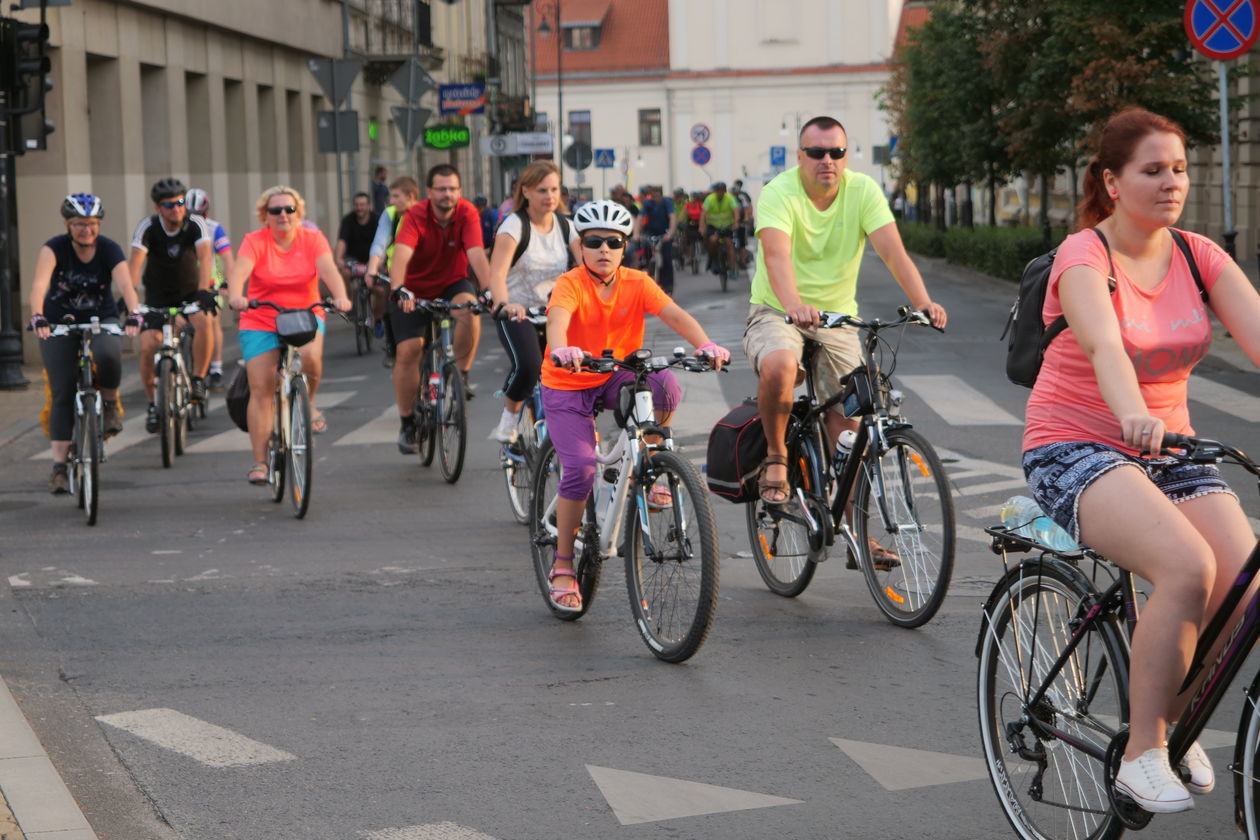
column 172, row 254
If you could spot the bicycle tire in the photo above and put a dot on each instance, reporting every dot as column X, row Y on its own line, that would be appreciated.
column 785, row 551
column 300, row 453
column 921, row 534
column 167, row 408
column 723, row 266
column 517, row 458
column 1247, row 760
column 587, row 562
column 276, row 452
column 673, row 592
column 90, row 459
column 358, row 315
column 1050, row 790
column 423, row 412
column 452, row 420
column 183, row 415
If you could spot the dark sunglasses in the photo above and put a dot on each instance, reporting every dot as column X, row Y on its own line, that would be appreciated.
column 171, row 205
column 817, row 152
column 594, row 242
column 284, row 208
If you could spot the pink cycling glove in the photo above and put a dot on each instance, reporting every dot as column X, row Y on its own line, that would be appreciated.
column 713, row 351
column 567, row 356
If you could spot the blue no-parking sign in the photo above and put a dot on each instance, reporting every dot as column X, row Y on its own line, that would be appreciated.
column 700, row 155
column 1221, row 29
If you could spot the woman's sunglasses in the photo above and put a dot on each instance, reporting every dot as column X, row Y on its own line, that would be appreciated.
column 817, row 152
column 286, row 208
column 594, row 242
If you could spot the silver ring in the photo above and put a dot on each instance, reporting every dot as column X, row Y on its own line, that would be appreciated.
column 1146, row 431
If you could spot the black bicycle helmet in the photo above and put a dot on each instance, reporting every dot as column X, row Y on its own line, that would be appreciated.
column 82, row 206
column 167, row 188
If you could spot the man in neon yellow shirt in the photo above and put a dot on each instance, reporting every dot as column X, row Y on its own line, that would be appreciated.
column 717, row 224
column 813, row 222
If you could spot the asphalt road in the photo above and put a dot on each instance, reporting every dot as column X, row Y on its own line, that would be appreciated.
column 201, row 665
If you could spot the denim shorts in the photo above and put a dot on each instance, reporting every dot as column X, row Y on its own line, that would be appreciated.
column 1058, row 474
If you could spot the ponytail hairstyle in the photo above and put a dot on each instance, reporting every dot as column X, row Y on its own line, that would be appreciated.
column 531, row 176
column 1117, row 142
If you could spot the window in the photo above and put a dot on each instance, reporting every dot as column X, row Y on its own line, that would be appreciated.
column 580, row 126
column 650, row 127
column 581, row 38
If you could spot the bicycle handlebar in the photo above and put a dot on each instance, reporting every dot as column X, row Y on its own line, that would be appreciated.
column 643, row 360
column 536, row 315
column 907, row 315
column 1198, row 450
column 184, row 309
column 94, row 327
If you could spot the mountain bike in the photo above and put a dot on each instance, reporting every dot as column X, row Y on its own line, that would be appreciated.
column 1053, row 682
column 902, row 531
column 291, row 447
column 87, row 444
column 670, row 551
column 361, row 308
column 172, row 365
column 518, row 456
column 722, row 256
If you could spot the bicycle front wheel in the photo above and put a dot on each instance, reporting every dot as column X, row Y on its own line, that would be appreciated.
column 1247, row 762
column 671, row 558
column 542, row 526
column 452, row 423
column 168, row 408
column 361, row 315
column 301, row 450
column 517, row 457
column 276, row 458
column 1050, row 789
column 903, row 517
column 89, row 447
column 786, row 548
column 425, row 418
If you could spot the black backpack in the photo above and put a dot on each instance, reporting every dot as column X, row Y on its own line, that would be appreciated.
column 561, row 220
column 737, row 446
column 1029, row 336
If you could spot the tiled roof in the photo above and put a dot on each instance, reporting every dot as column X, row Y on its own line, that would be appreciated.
column 634, row 36
column 913, row 15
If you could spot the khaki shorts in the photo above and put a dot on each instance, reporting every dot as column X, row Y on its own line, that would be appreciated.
column 841, row 351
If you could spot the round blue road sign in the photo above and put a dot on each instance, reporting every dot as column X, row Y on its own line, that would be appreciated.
column 1222, row 29
column 700, row 155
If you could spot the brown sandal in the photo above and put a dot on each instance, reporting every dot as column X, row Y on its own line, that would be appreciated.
column 765, row 485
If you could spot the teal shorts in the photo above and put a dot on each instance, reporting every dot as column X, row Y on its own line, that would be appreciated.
column 256, row 342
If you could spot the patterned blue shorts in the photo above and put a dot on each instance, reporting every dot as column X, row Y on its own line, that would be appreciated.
column 1058, row 474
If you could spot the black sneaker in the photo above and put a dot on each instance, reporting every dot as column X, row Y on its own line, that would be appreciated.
column 151, row 424
column 59, row 481
column 111, row 418
column 216, row 380
column 407, row 439
column 198, row 389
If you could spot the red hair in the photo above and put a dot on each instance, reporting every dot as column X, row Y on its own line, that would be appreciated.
column 1116, row 144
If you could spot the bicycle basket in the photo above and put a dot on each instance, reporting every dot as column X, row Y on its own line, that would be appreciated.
column 296, row 326
column 858, row 398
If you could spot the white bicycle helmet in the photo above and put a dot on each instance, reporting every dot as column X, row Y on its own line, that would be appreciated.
column 603, row 215
column 198, row 202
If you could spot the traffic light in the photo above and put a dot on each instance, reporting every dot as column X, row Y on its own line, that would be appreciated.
column 26, row 81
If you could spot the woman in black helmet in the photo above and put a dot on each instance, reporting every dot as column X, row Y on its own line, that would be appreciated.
column 73, row 277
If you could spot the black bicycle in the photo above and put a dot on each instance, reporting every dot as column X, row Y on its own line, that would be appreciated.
column 723, row 244
column 87, row 444
column 172, row 370
column 1053, row 682
column 361, row 308
column 902, row 534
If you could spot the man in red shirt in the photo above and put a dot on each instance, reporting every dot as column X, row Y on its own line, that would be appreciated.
column 438, row 239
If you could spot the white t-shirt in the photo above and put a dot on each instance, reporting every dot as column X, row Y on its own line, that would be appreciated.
column 530, row 281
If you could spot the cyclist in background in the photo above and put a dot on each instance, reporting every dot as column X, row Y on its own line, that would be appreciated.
column 199, row 203
column 76, row 275
column 745, row 226
column 657, row 219
column 354, row 246
column 403, row 193
column 172, row 254
column 717, row 224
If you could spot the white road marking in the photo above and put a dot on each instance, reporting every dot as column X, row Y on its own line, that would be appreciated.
column 336, row 379
column 640, row 797
column 168, row 551
column 133, row 432
column 20, row 580
column 956, row 402
column 201, row 741
column 433, row 831
column 702, row 404
column 234, row 440
column 1224, row 398
column 900, row 768
column 993, row 487
column 384, row 429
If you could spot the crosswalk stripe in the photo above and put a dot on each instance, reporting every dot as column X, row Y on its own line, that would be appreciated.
column 702, row 404
column 956, row 402
column 201, row 741
column 433, row 831
column 993, row 487
column 133, row 432
column 384, row 429
column 1224, row 398
column 234, row 440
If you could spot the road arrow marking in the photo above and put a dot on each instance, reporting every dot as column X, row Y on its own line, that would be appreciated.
column 201, row 741
column 901, row 768
column 641, row 797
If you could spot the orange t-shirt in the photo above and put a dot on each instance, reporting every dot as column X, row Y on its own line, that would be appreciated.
column 597, row 325
column 1165, row 332
column 286, row 278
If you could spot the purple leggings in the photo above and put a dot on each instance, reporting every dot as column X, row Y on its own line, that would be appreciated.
column 571, row 424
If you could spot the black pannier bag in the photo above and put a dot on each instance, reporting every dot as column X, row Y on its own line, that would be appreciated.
column 237, row 398
column 737, row 446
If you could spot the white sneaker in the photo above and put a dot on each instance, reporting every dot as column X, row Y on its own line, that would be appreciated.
column 505, row 432
column 1150, row 782
column 1195, row 764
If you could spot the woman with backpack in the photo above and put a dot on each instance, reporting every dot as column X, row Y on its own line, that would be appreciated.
column 534, row 245
column 1109, row 388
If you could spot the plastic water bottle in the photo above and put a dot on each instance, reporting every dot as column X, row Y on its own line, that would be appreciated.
column 1023, row 516
column 604, row 495
column 844, row 446
column 434, row 381
column 643, row 407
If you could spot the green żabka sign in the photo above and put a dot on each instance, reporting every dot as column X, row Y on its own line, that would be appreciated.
column 447, row 136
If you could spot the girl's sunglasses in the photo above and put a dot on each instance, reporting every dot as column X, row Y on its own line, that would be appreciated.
column 594, row 242
column 285, row 208
column 817, row 152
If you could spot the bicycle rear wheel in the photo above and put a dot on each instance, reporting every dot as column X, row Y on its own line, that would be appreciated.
column 276, row 453
column 301, row 450
column 671, row 559
column 517, row 457
column 1049, row 789
column 360, row 314
column 168, row 408
column 424, row 414
column 184, row 413
column 903, row 521
column 586, row 560
column 786, row 548
column 89, row 458
column 1247, row 761
column 723, row 266
column 452, row 421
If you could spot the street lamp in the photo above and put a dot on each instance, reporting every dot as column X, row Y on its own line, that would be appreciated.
column 552, row 10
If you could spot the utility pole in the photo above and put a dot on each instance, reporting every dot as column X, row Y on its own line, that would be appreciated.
column 492, row 92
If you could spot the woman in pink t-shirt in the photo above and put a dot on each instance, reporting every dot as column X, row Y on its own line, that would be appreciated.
column 1109, row 388
column 283, row 263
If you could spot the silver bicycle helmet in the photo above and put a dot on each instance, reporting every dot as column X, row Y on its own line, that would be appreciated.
column 82, row 206
column 603, row 215
column 198, row 202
